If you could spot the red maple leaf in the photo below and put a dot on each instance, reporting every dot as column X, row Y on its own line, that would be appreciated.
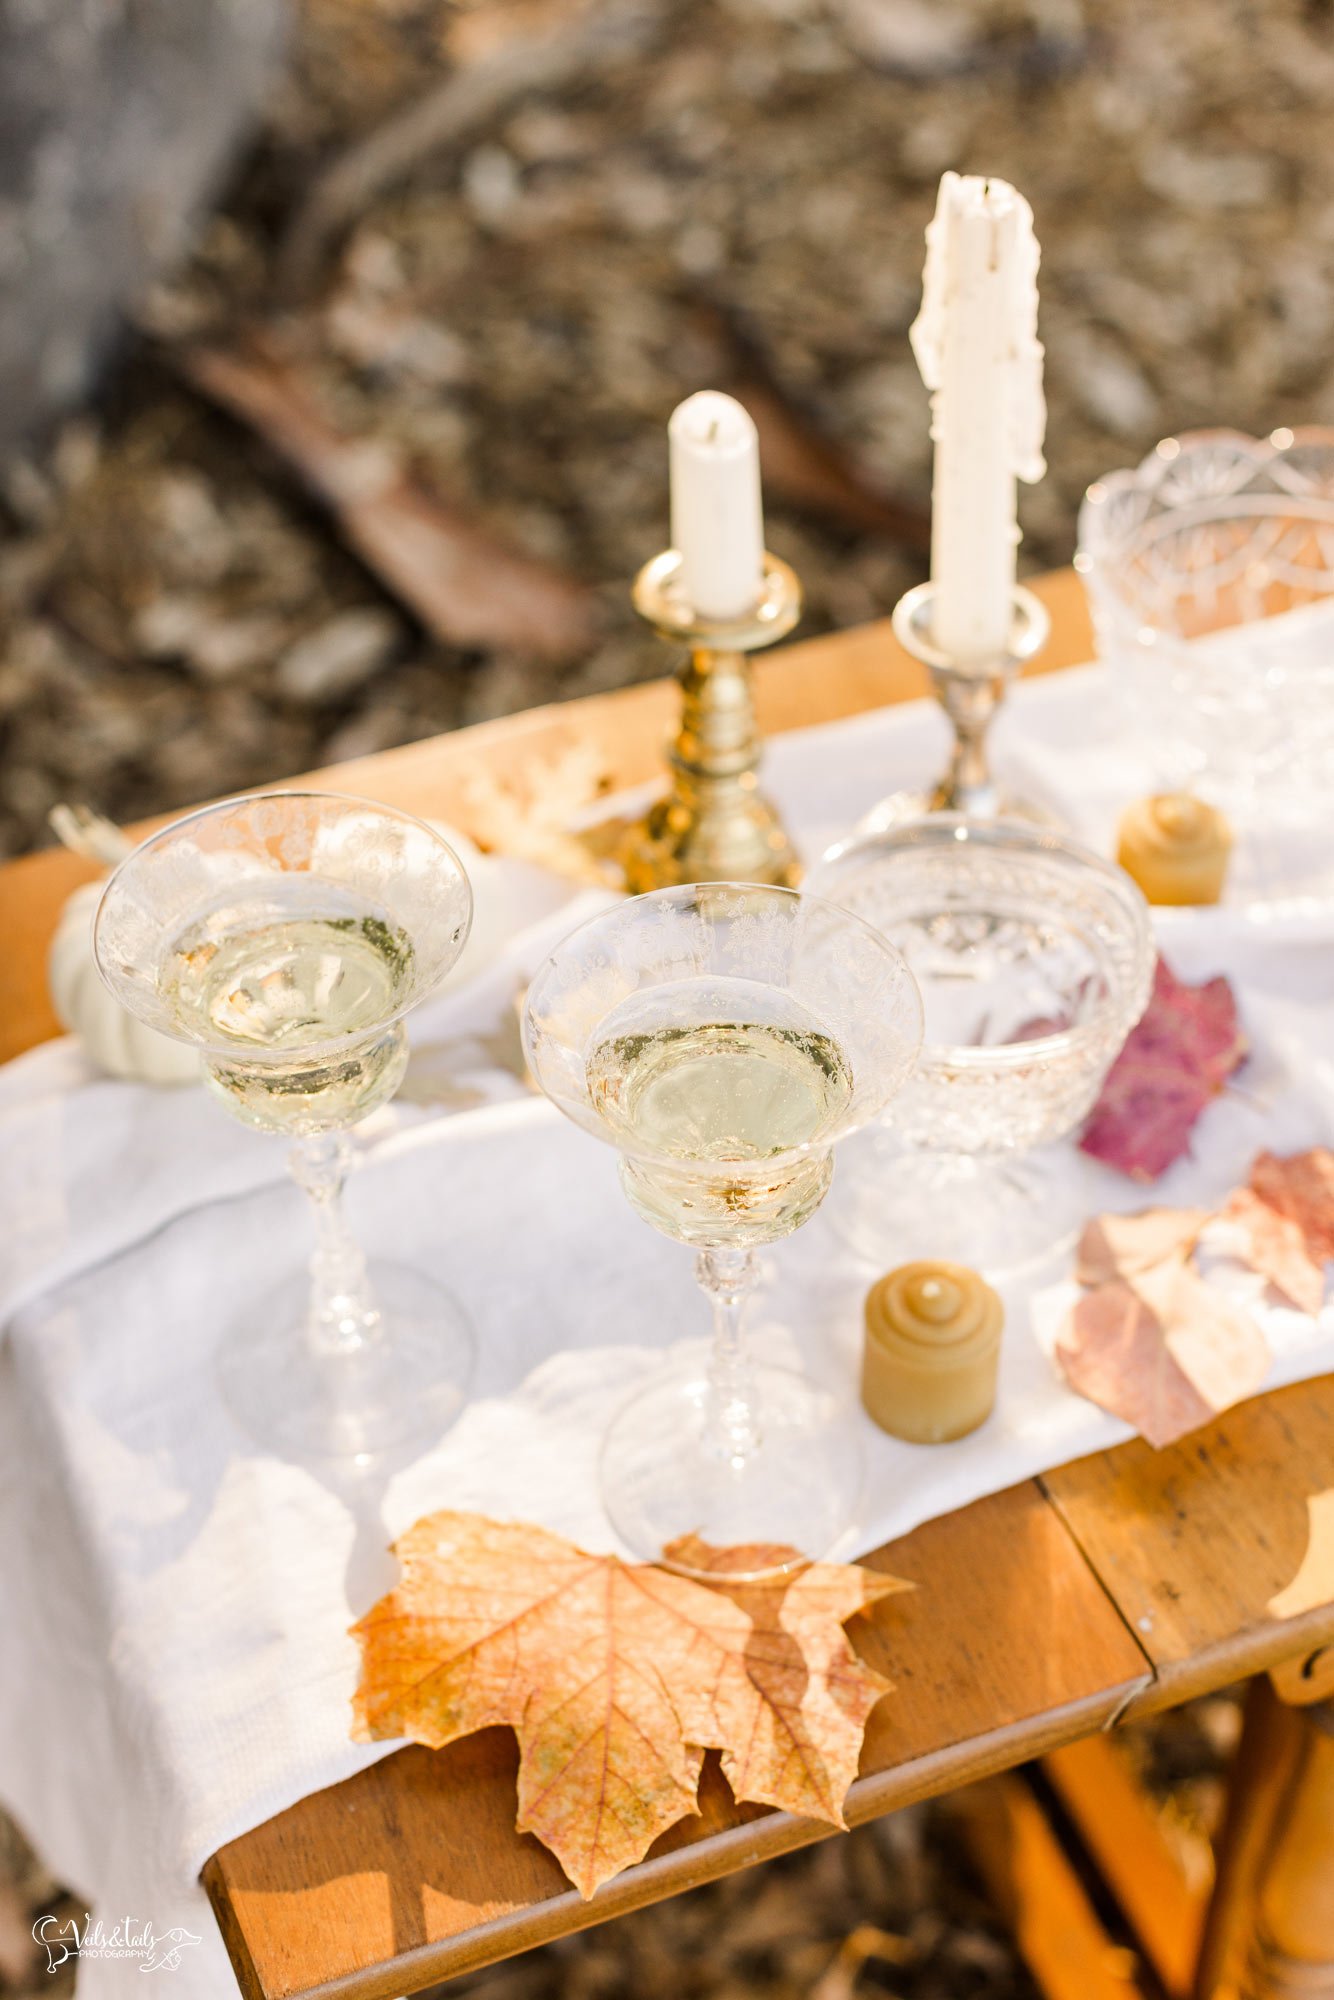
column 1184, row 1049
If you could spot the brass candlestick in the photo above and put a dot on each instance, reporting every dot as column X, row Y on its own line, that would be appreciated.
column 970, row 695
column 715, row 825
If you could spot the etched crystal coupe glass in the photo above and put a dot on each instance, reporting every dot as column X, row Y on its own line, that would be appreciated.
column 723, row 1037
column 286, row 936
column 1210, row 572
column 1035, row 959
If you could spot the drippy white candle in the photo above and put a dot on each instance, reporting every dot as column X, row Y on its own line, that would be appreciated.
column 976, row 344
column 717, row 514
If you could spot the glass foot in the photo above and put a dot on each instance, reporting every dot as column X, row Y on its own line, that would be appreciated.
column 997, row 1213
column 665, row 1477
column 402, row 1389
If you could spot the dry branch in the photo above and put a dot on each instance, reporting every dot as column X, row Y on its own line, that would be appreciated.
column 467, row 101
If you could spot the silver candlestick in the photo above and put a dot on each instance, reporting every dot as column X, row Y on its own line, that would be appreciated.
column 970, row 695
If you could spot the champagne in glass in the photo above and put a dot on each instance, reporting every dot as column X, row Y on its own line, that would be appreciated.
column 692, row 1076
column 722, row 1037
column 265, row 985
column 286, row 936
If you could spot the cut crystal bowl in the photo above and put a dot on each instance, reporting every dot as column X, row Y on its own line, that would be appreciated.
column 1210, row 572
column 1034, row 959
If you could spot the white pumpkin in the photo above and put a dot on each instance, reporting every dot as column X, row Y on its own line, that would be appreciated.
column 111, row 1037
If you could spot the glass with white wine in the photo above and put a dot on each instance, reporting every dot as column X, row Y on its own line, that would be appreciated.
column 286, row 936
column 723, row 1037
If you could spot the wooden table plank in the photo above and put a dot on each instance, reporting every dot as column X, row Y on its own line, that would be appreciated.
column 412, row 1871
column 1192, row 1543
column 818, row 681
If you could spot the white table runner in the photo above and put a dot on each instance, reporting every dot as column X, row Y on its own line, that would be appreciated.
column 174, row 1665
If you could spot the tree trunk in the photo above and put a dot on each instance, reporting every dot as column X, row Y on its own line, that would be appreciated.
column 118, row 121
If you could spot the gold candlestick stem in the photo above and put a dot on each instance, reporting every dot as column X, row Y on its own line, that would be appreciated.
column 715, row 825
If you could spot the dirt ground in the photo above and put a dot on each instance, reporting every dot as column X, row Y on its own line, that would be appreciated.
column 716, row 191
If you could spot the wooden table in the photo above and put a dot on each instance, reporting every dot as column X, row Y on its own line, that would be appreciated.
column 1122, row 1584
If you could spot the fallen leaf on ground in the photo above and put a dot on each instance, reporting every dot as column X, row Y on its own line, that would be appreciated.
column 1119, row 1246
column 1179, row 1056
column 797, row 458
column 841, row 1980
column 466, row 585
column 1274, row 1246
column 616, row 1678
column 1164, row 1352
column 1313, row 1584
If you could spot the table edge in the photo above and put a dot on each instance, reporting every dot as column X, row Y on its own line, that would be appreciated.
column 751, row 1841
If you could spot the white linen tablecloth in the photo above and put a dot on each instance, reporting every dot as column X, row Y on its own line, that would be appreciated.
column 174, row 1603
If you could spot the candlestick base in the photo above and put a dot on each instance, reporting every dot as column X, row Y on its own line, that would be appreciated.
column 733, row 836
column 715, row 825
column 970, row 694
column 902, row 806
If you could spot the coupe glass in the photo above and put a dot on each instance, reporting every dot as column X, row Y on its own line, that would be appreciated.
column 1035, row 959
column 1210, row 571
column 723, row 1037
column 286, row 936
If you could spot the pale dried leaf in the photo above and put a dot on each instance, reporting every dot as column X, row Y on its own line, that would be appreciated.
column 478, row 31
column 1274, row 1246
column 1313, row 1584
column 1219, row 1348
column 1112, row 1351
column 1119, row 1246
column 867, row 1941
column 1301, row 1187
column 1165, row 1353
column 527, row 812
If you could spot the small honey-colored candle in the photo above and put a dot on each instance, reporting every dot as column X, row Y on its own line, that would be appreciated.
column 1176, row 848
column 932, row 1348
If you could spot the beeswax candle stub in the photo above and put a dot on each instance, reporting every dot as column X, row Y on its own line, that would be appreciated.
column 1176, row 848
column 932, row 1350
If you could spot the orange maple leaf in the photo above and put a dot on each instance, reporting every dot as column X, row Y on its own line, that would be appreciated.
column 616, row 1678
column 797, row 1699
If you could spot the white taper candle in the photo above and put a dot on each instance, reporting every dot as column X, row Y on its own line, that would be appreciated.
column 717, row 513
column 976, row 344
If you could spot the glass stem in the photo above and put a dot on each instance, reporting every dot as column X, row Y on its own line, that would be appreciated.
column 342, row 1317
column 732, row 1419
